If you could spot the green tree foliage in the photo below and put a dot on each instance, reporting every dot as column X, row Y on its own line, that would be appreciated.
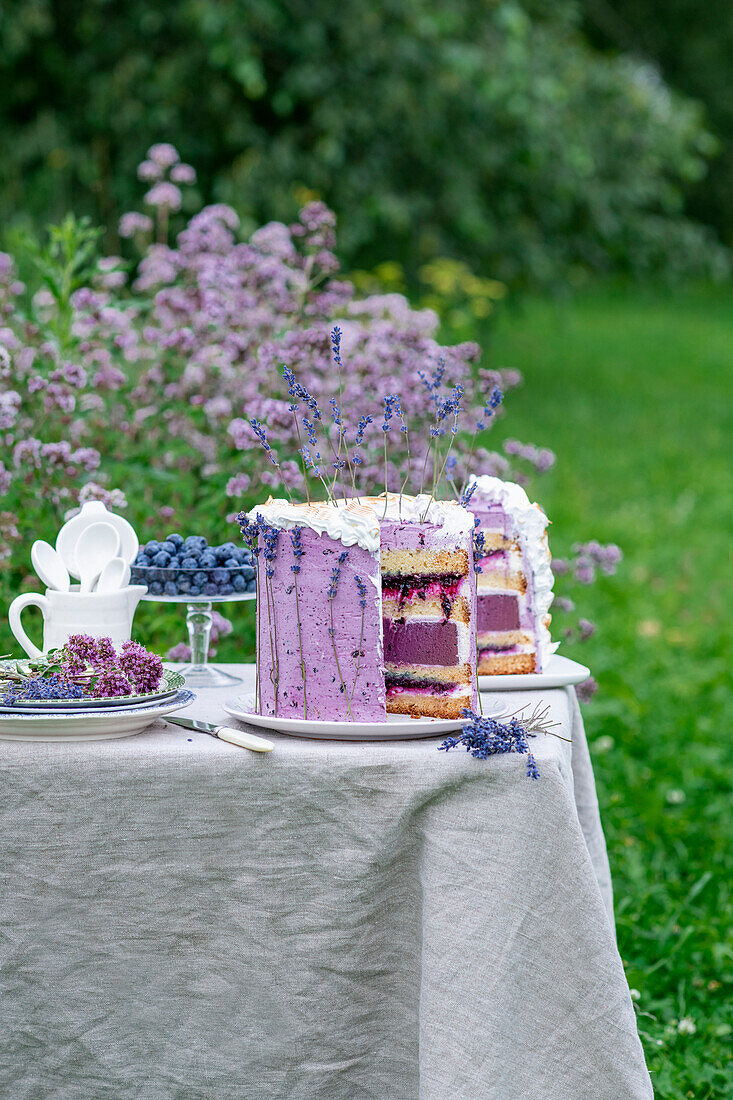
column 692, row 44
column 488, row 130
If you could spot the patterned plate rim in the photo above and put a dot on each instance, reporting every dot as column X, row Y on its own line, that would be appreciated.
column 181, row 699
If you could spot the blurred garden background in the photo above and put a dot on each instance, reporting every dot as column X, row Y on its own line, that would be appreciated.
column 551, row 182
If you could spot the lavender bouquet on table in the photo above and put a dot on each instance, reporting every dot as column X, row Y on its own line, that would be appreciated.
column 84, row 667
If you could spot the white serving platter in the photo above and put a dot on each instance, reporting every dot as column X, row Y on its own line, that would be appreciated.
column 398, row 727
column 560, row 672
column 92, row 725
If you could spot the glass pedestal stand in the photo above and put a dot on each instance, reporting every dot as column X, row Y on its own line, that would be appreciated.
column 199, row 673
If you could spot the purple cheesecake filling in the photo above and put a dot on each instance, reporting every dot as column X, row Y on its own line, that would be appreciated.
column 497, row 612
column 420, row 643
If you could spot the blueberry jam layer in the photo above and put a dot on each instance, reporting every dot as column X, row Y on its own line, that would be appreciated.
column 398, row 685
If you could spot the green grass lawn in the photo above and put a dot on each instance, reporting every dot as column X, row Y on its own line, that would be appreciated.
column 634, row 392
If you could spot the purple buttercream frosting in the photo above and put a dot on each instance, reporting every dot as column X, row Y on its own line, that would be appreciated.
column 278, row 645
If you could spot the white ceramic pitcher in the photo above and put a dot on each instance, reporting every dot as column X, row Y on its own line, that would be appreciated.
column 101, row 614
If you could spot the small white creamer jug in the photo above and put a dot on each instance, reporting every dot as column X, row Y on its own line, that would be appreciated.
column 101, row 614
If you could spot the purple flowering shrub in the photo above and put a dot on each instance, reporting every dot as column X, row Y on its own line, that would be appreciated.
column 144, row 392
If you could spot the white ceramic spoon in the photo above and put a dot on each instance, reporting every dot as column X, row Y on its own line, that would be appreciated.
column 94, row 512
column 115, row 575
column 49, row 566
column 97, row 545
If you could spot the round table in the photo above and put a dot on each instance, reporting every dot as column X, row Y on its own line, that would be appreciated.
column 185, row 919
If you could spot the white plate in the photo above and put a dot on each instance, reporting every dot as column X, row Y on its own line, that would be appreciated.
column 96, row 725
column 94, row 512
column 398, row 727
column 560, row 672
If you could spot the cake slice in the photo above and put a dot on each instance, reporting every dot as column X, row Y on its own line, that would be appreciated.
column 428, row 607
column 514, row 585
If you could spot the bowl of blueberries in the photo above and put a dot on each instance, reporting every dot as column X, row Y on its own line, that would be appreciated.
column 189, row 567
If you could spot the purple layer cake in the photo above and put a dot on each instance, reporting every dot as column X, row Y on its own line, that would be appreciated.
column 514, row 587
column 365, row 607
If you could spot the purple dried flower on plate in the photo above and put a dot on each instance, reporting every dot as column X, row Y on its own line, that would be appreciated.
column 38, row 687
column 142, row 668
column 112, row 684
column 106, row 653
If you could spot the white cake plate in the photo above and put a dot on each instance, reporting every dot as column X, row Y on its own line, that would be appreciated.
column 398, row 727
column 91, row 725
column 560, row 672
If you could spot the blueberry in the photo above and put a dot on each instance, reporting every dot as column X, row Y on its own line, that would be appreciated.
column 211, row 589
column 243, row 554
column 170, row 588
column 169, row 547
column 195, row 543
column 151, row 547
column 194, row 590
column 155, row 588
column 189, row 562
column 176, row 539
column 184, row 584
column 226, row 589
column 208, row 560
column 225, row 550
column 248, row 572
column 239, row 584
column 142, row 558
column 199, row 579
column 251, row 585
column 221, row 576
column 161, row 559
column 231, row 563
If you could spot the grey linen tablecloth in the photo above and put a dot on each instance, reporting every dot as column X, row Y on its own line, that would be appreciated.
column 183, row 919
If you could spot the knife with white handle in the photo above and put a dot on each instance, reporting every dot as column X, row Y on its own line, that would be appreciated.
column 226, row 733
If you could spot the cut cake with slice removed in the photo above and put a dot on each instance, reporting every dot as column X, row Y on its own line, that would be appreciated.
column 392, row 630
